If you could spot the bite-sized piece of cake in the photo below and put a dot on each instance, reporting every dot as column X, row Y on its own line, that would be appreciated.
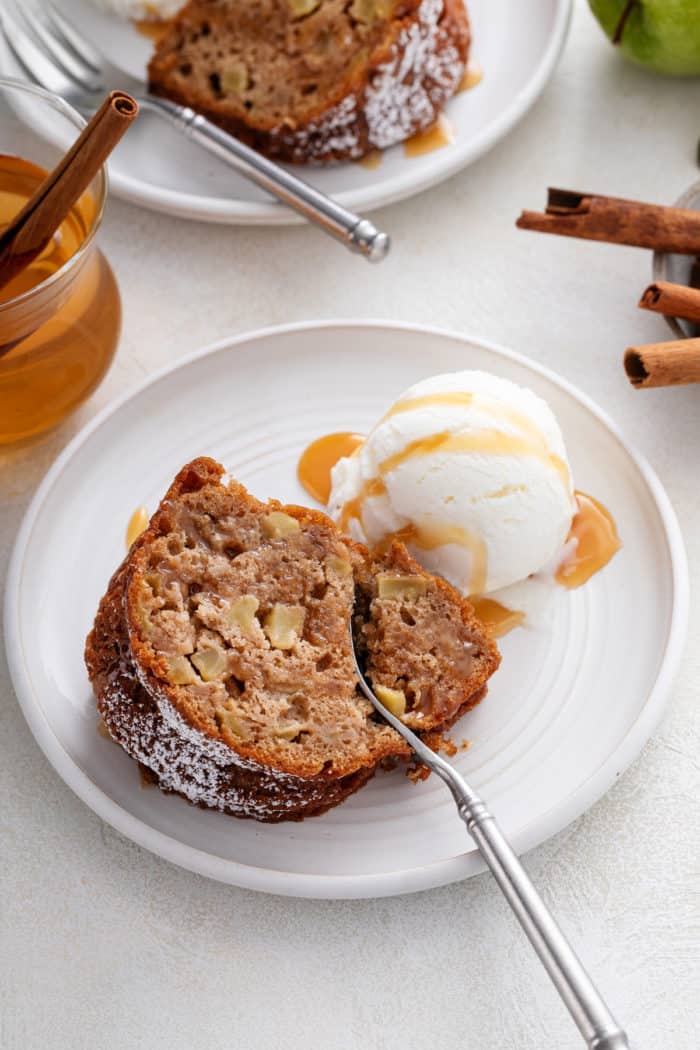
column 221, row 654
column 420, row 647
column 314, row 80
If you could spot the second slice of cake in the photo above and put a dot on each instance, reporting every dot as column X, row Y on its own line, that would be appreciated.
column 314, row 81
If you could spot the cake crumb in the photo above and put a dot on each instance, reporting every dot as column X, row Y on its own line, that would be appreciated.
column 417, row 771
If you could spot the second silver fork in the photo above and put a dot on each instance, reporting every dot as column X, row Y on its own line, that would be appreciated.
column 58, row 57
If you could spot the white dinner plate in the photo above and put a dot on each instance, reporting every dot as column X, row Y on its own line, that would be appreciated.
column 516, row 44
column 575, row 698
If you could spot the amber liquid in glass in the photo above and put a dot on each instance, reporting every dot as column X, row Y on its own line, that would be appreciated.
column 54, row 349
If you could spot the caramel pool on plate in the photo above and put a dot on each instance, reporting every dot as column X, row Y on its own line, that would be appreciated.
column 319, row 458
column 473, row 75
column 371, row 160
column 138, row 523
column 151, row 28
column 439, row 134
column 595, row 531
column 499, row 619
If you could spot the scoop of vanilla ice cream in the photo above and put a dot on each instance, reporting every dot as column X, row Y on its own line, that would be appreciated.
column 471, row 472
column 146, row 10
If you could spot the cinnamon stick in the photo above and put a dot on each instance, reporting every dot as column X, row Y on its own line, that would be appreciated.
column 30, row 231
column 672, row 300
column 663, row 364
column 615, row 220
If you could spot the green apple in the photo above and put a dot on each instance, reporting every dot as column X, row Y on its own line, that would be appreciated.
column 663, row 35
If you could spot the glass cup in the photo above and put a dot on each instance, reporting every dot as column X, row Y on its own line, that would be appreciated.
column 58, row 338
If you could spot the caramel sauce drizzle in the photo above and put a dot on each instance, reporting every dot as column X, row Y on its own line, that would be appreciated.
column 151, row 28
column 593, row 527
column 532, row 442
column 428, row 536
column 496, row 617
column 372, row 160
column 438, row 135
column 319, row 458
column 353, row 508
column 138, row 523
column 597, row 542
column 488, row 440
column 473, row 75
column 450, row 397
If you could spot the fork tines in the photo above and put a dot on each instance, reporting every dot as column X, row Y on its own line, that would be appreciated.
column 52, row 51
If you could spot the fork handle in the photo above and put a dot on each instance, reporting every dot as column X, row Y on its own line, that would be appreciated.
column 357, row 234
column 581, row 997
column 595, row 1022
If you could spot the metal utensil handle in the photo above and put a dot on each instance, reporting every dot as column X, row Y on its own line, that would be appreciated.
column 359, row 235
column 595, row 1022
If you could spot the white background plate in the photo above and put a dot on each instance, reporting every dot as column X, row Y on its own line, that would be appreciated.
column 517, row 45
column 572, row 705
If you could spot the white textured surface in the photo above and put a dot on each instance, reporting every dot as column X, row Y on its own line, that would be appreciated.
column 105, row 946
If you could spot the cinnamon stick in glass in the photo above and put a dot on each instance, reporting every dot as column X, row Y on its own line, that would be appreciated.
column 663, row 364
column 672, row 300
column 33, row 227
column 615, row 220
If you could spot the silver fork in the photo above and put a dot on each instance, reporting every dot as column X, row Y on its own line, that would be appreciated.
column 58, row 57
column 581, row 997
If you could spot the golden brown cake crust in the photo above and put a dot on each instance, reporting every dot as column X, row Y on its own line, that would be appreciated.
column 155, row 721
column 393, row 81
column 135, row 720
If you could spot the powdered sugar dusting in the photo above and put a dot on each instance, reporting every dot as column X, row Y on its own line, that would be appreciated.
column 141, row 718
column 190, row 763
column 405, row 95
column 336, row 133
